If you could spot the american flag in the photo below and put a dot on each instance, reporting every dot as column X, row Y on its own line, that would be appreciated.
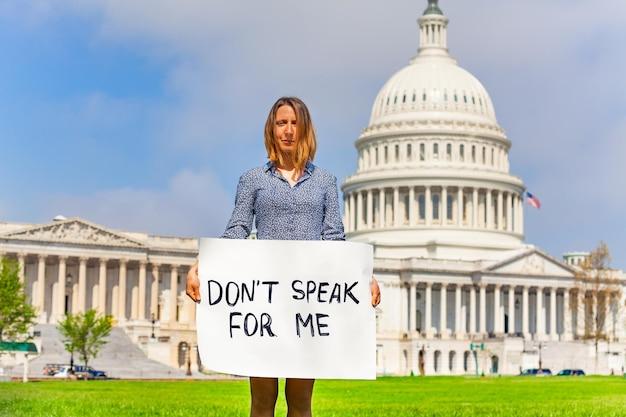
column 533, row 201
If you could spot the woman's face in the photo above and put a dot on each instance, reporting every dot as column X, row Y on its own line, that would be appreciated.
column 285, row 129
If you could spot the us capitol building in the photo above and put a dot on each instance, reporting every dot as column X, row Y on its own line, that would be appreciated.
column 432, row 193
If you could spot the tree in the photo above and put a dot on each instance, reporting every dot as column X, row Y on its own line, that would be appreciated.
column 16, row 314
column 85, row 333
column 599, row 290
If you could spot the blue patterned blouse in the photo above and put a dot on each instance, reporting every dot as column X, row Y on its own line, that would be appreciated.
column 307, row 211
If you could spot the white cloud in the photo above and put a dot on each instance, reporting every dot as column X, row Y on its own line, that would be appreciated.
column 193, row 204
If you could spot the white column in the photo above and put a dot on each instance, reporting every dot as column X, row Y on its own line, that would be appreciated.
column 521, row 216
column 458, row 330
column 370, row 212
column 497, row 318
column 59, row 304
column 509, row 212
column 567, row 316
column 581, row 315
column 404, row 299
column 20, row 261
column 154, row 292
column 553, row 333
column 540, row 314
column 443, row 311
column 412, row 210
column 381, row 208
column 621, row 329
column 459, row 207
column 359, row 211
column 429, row 206
column 428, row 306
column 500, row 211
column 483, row 310
column 472, row 320
column 511, row 310
column 525, row 311
column 412, row 306
column 173, row 293
column 82, row 284
column 102, row 286
column 396, row 206
column 475, row 208
column 444, row 205
column 121, row 292
column 352, row 218
column 488, row 209
column 142, row 291
column 346, row 214
column 39, row 298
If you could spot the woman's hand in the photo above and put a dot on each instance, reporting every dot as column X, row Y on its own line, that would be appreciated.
column 375, row 290
column 193, row 283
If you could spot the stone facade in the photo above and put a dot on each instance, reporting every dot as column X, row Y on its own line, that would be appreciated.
column 71, row 265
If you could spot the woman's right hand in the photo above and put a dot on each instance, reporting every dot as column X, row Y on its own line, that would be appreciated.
column 193, row 283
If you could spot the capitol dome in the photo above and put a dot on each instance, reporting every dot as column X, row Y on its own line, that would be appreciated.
column 433, row 163
column 433, row 88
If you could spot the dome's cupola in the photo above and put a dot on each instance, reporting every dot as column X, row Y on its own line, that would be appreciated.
column 433, row 31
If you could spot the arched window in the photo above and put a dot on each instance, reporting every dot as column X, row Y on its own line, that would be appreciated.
column 466, row 360
column 494, row 364
column 462, row 152
column 451, row 360
column 422, row 152
column 448, row 152
column 437, row 361
column 435, row 151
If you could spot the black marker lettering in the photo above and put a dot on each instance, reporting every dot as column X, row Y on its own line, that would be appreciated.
column 212, row 301
column 348, row 293
column 336, row 294
column 233, row 326
column 245, row 325
column 321, row 291
column 266, row 323
column 247, row 292
column 229, row 292
column 270, row 284
column 308, row 321
column 320, row 325
column 310, row 289
column 297, row 290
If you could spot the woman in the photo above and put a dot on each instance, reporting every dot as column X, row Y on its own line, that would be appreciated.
column 292, row 199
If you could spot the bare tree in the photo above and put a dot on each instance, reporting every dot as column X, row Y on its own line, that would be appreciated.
column 599, row 292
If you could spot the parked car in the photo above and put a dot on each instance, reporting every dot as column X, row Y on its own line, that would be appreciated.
column 63, row 372
column 80, row 372
column 536, row 372
column 571, row 372
column 52, row 368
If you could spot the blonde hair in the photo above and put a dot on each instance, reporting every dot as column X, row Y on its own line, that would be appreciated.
column 306, row 143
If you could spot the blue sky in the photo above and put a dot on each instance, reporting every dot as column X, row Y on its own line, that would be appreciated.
column 141, row 115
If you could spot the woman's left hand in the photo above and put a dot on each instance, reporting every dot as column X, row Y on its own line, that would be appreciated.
column 375, row 290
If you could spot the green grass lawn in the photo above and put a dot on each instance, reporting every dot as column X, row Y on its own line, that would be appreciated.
column 443, row 396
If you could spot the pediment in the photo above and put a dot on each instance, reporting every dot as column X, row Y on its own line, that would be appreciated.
column 532, row 262
column 74, row 231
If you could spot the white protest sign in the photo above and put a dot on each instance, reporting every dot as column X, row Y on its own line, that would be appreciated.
column 287, row 309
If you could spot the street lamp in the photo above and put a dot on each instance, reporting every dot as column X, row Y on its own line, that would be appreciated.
column 153, row 321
